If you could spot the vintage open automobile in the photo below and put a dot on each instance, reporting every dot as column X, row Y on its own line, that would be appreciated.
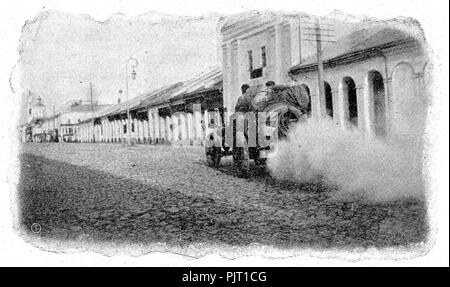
column 251, row 136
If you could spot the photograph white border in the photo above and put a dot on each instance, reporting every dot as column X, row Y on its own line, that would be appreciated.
column 432, row 15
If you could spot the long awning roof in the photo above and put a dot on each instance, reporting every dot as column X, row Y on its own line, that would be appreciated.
column 204, row 82
column 360, row 42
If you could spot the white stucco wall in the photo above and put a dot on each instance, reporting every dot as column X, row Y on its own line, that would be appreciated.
column 406, row 100
column 286, row 44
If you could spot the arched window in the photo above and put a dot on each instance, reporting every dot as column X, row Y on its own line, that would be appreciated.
column 181, row 127
column 378, row 98
column 349, row 91
column 308, row 109
column 328, row 99
column 408, row 106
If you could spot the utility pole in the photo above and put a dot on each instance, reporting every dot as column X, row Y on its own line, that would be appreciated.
column 92, row 111
column 128, row 125
column 319, row 65
column 55, row 130
column 320, row 35
column 134, row 65
column 300, row 52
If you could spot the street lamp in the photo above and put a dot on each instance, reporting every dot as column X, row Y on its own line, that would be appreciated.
column 134, row 63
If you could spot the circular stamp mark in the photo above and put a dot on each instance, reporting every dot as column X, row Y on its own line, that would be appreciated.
column 36, row 228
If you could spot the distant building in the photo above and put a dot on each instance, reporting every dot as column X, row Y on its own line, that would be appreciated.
column 35, row 107
column 61, row 125
column 33, row 129
column 70, row 115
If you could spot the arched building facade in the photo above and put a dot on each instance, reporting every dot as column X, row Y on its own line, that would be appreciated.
column 377, row 85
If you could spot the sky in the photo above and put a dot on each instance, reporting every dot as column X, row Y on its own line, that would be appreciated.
column 62, row 53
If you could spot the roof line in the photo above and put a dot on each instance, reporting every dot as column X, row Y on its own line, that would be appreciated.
column 351, row 56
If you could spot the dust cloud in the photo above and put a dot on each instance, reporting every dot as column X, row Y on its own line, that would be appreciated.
column 373, row 169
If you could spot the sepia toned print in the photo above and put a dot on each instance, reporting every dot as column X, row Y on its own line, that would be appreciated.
column 287, row 130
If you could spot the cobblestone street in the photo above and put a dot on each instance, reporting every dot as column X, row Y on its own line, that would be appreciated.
column 146, row 194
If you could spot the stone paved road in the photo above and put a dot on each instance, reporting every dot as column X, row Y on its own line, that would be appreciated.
column 166, row 194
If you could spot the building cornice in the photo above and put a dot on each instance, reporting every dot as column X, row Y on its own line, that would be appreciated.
column 250, row 29
column 354, row 56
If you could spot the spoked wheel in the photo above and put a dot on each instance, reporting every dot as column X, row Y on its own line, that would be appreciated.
column 213, row 156
column 285, row 121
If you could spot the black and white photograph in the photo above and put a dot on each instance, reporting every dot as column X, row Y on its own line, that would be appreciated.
column 236, row 133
